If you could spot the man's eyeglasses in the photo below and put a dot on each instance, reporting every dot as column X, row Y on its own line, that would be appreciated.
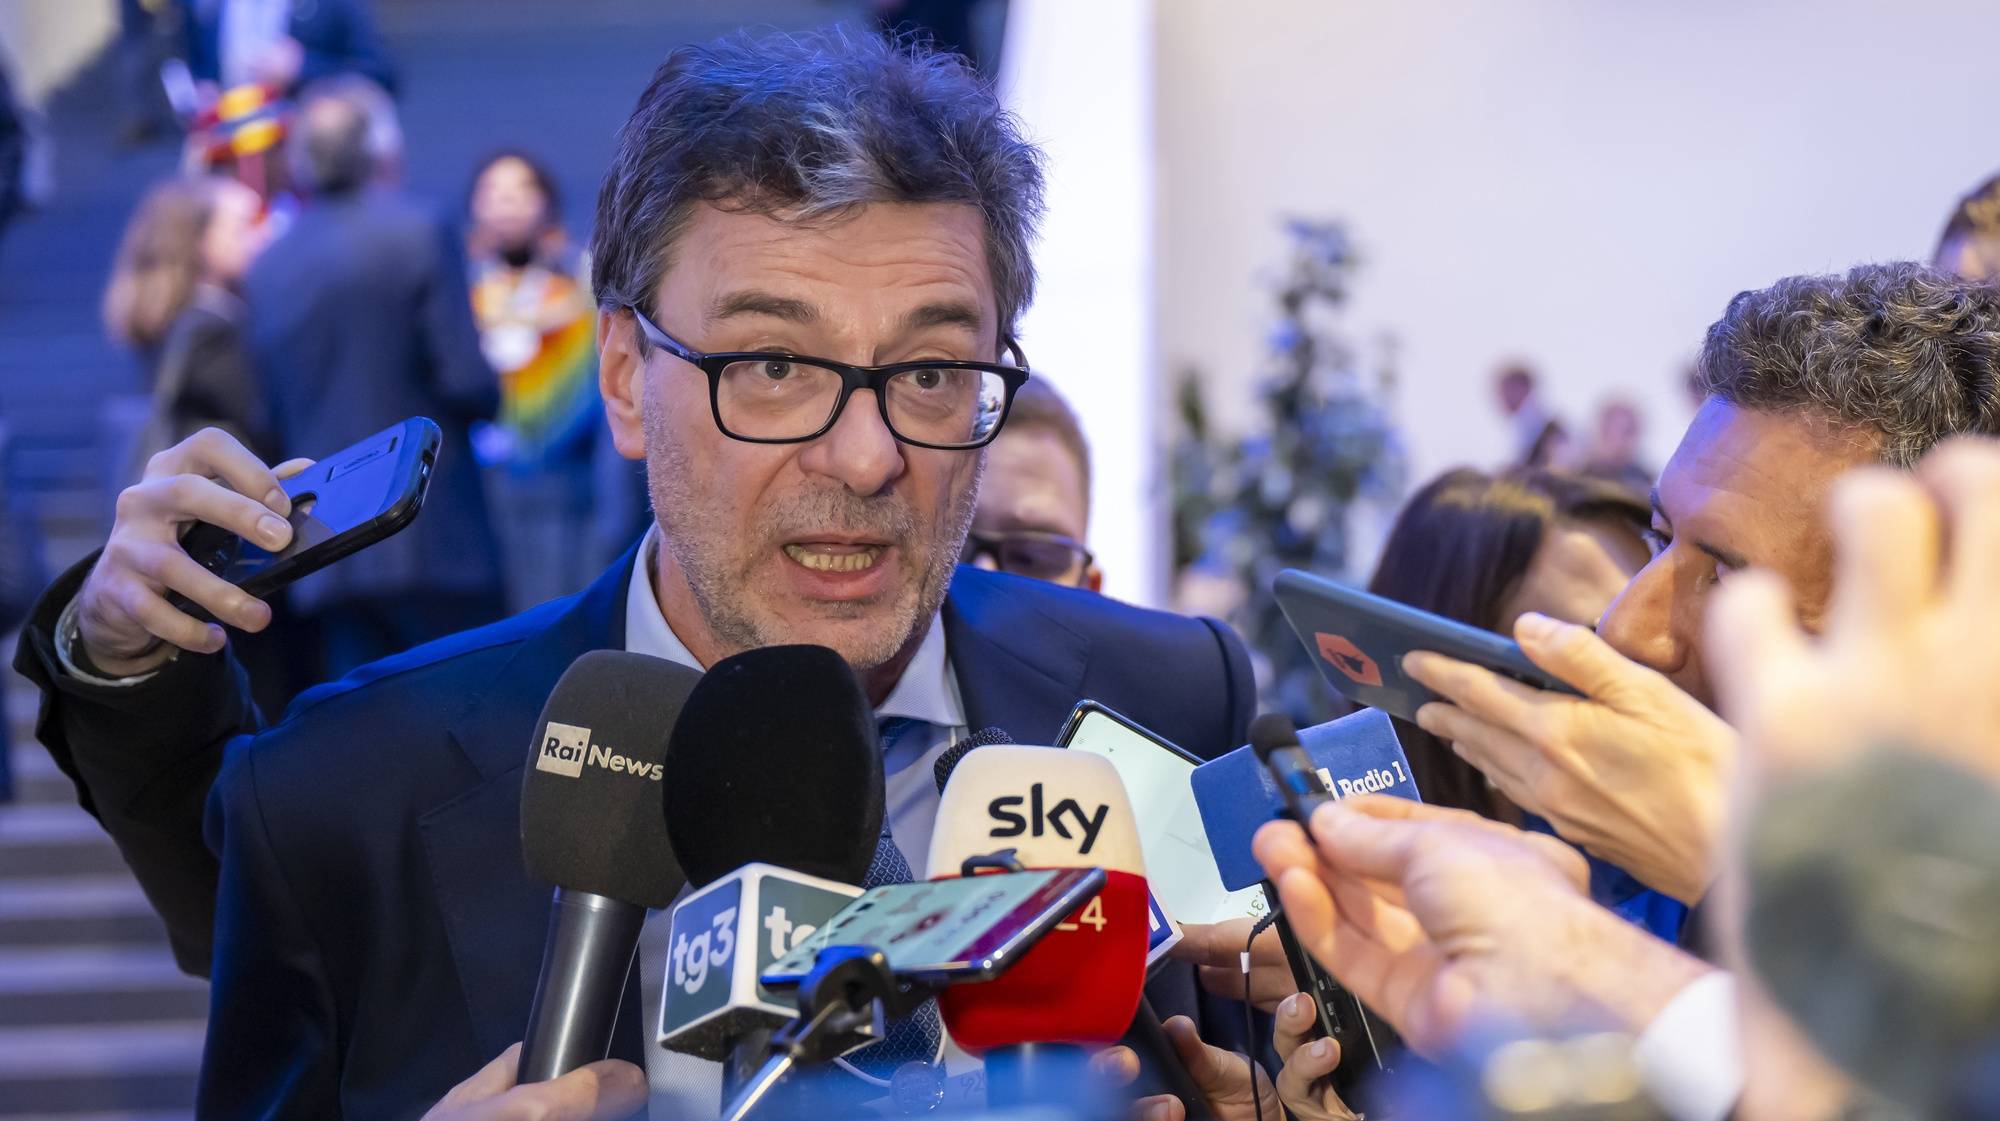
column 776, row 398
column 1055, row 557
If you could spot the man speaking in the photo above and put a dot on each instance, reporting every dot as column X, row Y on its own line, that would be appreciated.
column 810, row 256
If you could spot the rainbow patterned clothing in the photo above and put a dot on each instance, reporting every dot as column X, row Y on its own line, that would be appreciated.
column 537, row 327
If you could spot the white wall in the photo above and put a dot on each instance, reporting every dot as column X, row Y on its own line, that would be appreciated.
column 1581, row 182
column 45, row 41
column 1079, row 74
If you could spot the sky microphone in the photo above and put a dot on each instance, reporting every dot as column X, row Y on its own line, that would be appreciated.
column 590, row 824
column 1081, row 984
column 1162, row 932
column 775, row 812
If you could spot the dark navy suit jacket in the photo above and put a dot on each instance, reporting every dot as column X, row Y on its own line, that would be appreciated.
column 376, row 939
column 359, row 319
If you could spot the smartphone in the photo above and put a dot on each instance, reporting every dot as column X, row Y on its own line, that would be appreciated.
column 1358, row 641
column 340, row 505
column 1158, row 777
column 970, row 928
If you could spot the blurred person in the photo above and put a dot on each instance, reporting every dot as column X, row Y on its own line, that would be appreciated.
column 738, row 240
column 537, row 328
column 1034, row 504
column 1539, row 438
column 1487, row 549
column 141, row 47
column 284, row 44
column 174, row 297
column 359, row 319
column 1970, row 244
column 1614, row 447
column 1806, row 380
column 1866, row 834
column 13, row 154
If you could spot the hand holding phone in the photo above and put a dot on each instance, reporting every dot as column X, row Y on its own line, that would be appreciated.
column 124, row 619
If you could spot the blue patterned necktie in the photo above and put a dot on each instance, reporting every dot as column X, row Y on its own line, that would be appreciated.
column 916, row 1038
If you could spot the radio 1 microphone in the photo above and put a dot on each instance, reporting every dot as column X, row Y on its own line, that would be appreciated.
column 775, row 812
column 590, row 824
column 1236, row 793
column 1295, row 783
column 1081, row 984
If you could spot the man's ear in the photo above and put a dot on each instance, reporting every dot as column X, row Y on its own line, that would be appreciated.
column 621, row 378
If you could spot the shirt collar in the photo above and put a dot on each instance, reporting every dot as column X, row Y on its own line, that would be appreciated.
column 927, row 691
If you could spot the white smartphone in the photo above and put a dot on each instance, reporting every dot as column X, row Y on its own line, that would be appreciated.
column 1180, row 865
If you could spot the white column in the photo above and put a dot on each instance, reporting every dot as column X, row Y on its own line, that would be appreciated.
column 1080, row 75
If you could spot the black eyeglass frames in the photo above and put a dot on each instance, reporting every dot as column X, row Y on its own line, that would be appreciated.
column 778, row 398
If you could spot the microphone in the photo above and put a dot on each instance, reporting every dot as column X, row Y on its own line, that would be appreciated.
column 775, row 811
column 1081, row 984
column 590, row 824
column 1162, row 932
column 1236, row 794
column 948, row 762
column 1362, row 757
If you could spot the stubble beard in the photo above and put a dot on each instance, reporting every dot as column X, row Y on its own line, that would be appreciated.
column 703, row 543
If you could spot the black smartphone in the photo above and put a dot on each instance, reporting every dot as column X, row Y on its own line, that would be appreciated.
column 342, row 504
column 1359, row 640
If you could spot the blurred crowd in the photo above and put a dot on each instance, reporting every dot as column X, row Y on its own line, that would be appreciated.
column 1748, row 629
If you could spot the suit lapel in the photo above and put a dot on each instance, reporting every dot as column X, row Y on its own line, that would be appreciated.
column 473, row 839
column 1018, row 668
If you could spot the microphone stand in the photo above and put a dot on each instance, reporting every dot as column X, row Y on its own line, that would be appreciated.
column 842, row 1003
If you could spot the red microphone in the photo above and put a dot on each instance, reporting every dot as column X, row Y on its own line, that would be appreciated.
column 1081, row 984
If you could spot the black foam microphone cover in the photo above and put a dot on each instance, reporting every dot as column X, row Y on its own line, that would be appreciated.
column 948, row 762
column 776, row 759
column 590, row 794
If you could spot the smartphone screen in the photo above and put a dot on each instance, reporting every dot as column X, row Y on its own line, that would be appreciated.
column 962, row 927
column 1180, row 866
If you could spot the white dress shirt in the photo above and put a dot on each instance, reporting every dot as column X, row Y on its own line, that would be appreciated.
column 1690, row 1057
column 685, row 1088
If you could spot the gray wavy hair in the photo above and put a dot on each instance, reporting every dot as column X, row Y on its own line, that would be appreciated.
column 1899, row 348
column 813, row 127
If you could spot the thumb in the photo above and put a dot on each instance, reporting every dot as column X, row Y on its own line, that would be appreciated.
column 1202, row 1061
column 1574, row 654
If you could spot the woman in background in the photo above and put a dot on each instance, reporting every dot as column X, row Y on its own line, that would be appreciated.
column 173, row 299
column 531, row 299
column 1486, row 549
column 1970, row 243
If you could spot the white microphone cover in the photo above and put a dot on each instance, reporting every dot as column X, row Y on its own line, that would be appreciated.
column 1055, row 808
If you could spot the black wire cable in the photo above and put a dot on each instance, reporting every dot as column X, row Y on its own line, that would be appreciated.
column 1250, row 1017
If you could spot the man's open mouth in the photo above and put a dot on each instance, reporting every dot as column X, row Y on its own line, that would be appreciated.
column 824, row 556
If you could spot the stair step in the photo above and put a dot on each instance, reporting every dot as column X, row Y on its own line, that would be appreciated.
column 96, row 985
column 120, row 1115
column 93, row 910
column 145, row 1067
column 39, row 842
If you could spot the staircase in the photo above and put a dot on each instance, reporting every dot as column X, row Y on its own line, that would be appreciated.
column 96, row 1023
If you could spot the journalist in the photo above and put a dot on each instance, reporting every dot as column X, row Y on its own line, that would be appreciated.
column 809, row 256
column 1805, row 380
